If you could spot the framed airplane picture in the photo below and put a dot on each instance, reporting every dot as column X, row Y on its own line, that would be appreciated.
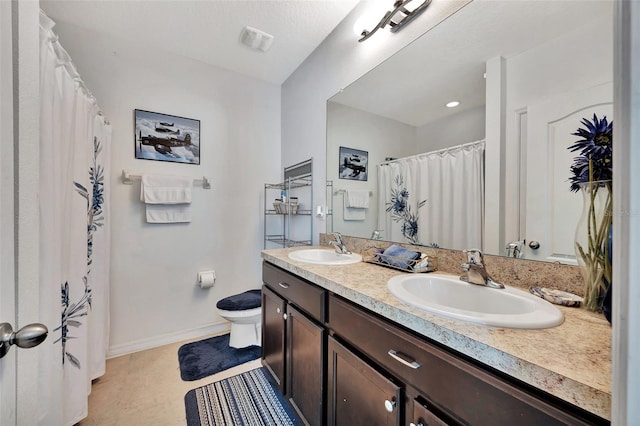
column 353, row 164
column 164, row 137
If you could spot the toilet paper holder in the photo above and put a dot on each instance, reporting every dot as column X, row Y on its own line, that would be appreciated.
column 206, row 279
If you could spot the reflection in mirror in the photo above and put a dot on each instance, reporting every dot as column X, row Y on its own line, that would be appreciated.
column 524, row 73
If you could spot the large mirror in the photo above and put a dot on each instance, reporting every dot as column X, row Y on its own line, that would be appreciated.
column 493, row 170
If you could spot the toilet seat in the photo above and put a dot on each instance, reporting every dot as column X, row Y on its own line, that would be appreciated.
column 244, row 312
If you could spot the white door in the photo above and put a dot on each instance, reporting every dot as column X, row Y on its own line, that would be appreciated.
column 552, row 211
column 7, row 296
column 19, row 244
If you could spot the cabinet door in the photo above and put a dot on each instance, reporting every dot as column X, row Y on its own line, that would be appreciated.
column 305, row 362
column 422, row 416
column 357, row 393
column 273, row 339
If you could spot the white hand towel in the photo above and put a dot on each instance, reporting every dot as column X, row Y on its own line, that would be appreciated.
column 355, row 205
column 167, row 198
column 159, row 189
column 173, row 213
column 357, row 199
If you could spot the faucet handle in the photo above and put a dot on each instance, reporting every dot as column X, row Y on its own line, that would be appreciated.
column 474, row 256
column 337, row 236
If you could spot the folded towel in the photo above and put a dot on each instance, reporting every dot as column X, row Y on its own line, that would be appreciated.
column 354, row 214
column 399, row 257
column 353, row 199
column 159, row 189
column 172, row 213
column 357, row 199
column 167, row 198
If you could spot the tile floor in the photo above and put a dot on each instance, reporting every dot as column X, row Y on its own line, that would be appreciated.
column 145, row 388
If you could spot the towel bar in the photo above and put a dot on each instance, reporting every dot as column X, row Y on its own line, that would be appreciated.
column 128, row 178
column 338, row 191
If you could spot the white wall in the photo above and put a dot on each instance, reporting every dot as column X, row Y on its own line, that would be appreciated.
column 381, row 137
column 154, row 297
column 466, row 126
column 337, row 62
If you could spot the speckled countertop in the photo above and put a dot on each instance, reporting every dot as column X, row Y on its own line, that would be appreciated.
column 571, row 361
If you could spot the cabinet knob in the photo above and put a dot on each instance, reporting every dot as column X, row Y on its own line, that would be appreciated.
column 416, row 424
column 285, row 316
column 390, row 405
column 278, row 310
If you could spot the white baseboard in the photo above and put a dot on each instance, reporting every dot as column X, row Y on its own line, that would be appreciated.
column 166, row 339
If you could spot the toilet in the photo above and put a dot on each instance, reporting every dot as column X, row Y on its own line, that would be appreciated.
column 244, row 312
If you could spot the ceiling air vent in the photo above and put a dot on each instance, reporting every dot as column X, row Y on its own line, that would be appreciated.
column 256, row 39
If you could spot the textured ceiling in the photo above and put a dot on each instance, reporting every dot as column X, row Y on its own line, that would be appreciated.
column 209, row 30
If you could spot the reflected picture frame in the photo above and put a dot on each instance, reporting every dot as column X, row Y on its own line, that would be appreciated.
column 353, row 164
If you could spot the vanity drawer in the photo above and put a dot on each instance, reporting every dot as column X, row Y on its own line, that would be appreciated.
column 303, row 294
column 458, row 388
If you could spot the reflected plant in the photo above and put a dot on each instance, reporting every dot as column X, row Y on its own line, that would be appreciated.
column 592, row 171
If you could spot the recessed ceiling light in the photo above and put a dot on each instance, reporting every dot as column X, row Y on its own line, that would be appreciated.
column 452, row 104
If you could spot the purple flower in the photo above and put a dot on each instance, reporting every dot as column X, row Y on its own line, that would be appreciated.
column 595, row 158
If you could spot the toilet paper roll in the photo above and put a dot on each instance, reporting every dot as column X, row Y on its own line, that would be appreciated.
column 206, row 279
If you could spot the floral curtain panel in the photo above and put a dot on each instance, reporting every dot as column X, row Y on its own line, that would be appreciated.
column 74, row 235
column 422, row 193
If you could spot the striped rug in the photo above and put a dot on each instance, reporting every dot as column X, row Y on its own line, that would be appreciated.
column 248, row 399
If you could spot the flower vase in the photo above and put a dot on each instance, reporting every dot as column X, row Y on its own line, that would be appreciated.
column 592, row 241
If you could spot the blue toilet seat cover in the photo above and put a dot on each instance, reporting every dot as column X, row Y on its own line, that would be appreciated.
column 239, row 302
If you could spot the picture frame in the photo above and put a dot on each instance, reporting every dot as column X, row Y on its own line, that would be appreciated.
column 353, row 164
column 165, row 137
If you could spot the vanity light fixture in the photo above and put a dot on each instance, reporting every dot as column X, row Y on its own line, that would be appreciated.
column 452, row 104
column 398, row 17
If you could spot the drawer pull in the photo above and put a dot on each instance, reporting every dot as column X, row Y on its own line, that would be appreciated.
column 283, row 285
column 389, row 405
column 403, row 359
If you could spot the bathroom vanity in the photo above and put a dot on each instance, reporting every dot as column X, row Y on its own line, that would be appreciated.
column 344, row 351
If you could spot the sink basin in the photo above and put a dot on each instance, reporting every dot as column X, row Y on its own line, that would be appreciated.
column 448, row 296
column 324, row 257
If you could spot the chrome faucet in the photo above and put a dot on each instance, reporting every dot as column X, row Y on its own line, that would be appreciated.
column 514, row 249
column 475, row 271
column 339, row 245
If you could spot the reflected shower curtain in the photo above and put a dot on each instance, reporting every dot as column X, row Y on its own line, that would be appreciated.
column 74, row 235
column 434, row 198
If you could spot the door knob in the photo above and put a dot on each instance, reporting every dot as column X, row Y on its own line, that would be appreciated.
column 27, row 337
column 389, row 405
column 534, row 245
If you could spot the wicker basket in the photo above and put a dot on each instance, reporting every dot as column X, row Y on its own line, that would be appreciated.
column 285, row 208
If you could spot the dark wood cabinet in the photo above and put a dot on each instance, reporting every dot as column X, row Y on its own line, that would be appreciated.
column 371, row 371
column 423, row 416
column 465, row 392
column 305, row 364
column 294, row 341
column 273, row 330
column 357, row 393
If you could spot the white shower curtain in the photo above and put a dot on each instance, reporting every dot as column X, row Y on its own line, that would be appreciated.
column 434, row 198
column 74, row 227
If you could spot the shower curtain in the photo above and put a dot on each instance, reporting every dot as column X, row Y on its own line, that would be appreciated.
column 436, row 198
column 74, row 235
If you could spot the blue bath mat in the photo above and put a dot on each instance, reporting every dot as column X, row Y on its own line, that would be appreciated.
column 248, row 399
column 210, row 356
